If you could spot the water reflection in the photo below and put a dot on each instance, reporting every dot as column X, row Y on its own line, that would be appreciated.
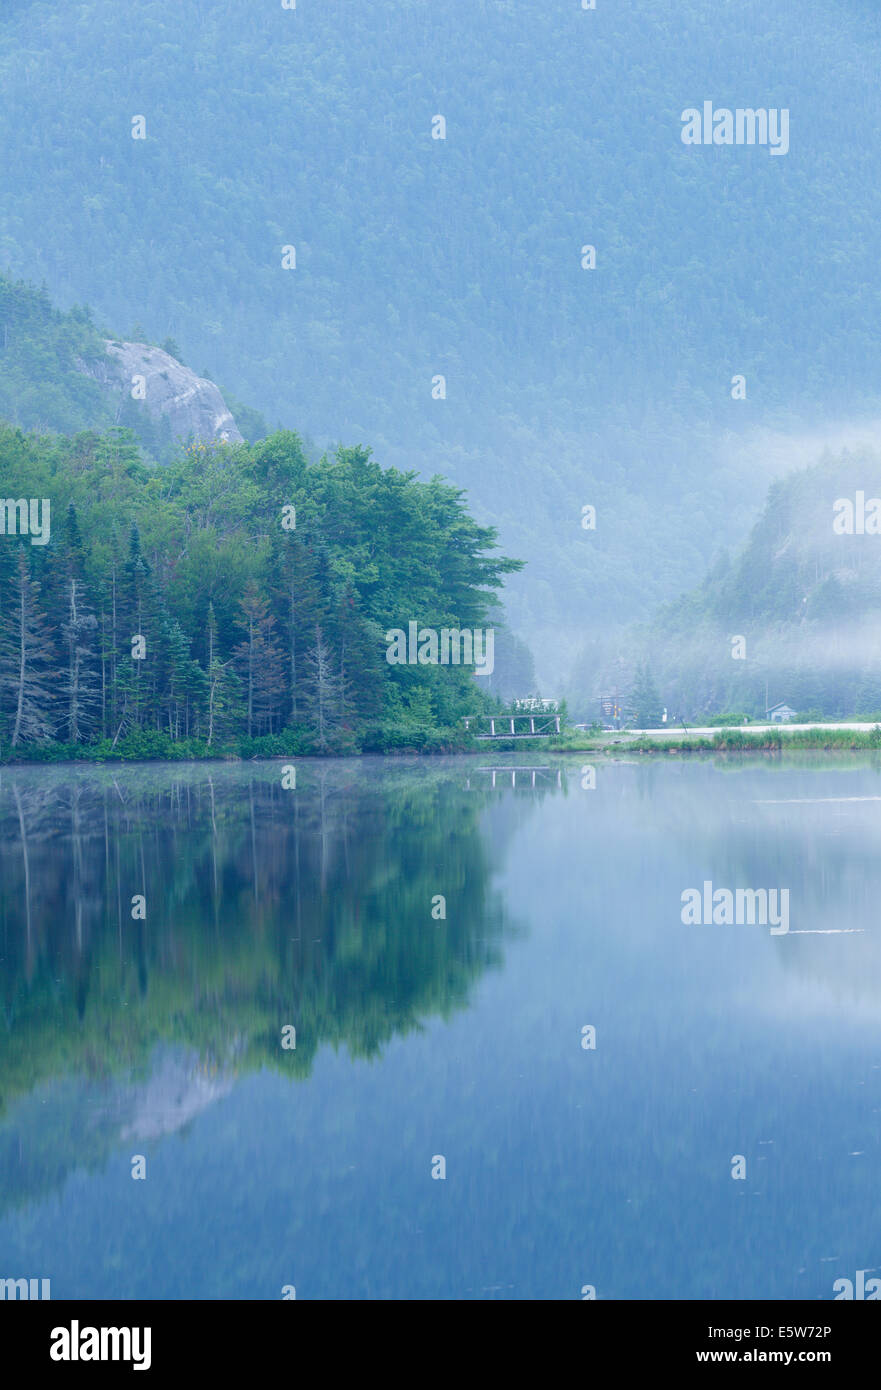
column 263, row 907
column 417, row 1036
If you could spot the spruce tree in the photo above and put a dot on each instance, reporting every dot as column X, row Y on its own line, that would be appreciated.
column 645, row 700
column 324, row 691
column 29, row 660
column 259, row 661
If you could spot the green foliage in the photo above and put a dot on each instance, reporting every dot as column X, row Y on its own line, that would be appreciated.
column 42, row 354
column 251, row 424
column 170, row 346
column 259, row 640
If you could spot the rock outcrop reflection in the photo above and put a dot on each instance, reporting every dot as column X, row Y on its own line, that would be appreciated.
column 265, row 907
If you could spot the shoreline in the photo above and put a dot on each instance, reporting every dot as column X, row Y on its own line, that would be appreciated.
column 855, row 737
column 745, row 738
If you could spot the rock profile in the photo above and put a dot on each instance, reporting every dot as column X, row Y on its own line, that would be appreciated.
column 192, row 405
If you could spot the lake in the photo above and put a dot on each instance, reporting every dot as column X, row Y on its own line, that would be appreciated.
column 511, row 1071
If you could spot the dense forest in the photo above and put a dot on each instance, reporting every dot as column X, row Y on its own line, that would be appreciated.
column 415, row 256
column 237, row 598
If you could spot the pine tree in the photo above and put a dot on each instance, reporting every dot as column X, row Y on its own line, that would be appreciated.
column 131, row 680
column 645, row 700
column 79, row 633
column 224, row 697
column 109, row 623
column 302, row 604
column 360, row 648
column 260, row 661
column 324, row 688
column 187, row 685
column 73, row 543
column 81, row 686
column 27, row 668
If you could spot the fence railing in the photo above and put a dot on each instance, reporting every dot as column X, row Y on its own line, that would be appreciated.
column 513, row 725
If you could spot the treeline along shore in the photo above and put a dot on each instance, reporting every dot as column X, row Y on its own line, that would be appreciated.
column 232, row 603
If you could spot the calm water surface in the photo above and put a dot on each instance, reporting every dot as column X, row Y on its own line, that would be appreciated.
column 418, row 1037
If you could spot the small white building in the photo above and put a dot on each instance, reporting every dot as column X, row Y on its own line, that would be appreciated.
column 781, row 714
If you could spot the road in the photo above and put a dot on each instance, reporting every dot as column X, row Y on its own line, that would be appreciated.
column 696, row 731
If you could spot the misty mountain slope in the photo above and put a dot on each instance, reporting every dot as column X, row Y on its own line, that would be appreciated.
column 59, row 373
column 462, row 257
column 47, row 361
column 798, row 609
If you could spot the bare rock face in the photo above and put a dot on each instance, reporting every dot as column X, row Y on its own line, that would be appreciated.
column 191, row 404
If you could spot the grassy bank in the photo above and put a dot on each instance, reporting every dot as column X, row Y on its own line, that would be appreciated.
column 741, row 740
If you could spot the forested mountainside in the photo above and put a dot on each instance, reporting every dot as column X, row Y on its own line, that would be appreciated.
column 237, row 594
column 412, row 257
column 59, row 372
column 792, row 617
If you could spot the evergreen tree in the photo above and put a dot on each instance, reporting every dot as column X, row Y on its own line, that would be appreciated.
column 79, row 631
column 81, row 688
column 645, row 700
column 359, row 671
column 260, row 662
column 325, row 691
column 300, row 603
column 29, row 660
column 100, row 630
column 224, row 694
column 187, row 684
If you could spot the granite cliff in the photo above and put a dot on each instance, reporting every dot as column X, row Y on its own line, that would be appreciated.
column 191, row 404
